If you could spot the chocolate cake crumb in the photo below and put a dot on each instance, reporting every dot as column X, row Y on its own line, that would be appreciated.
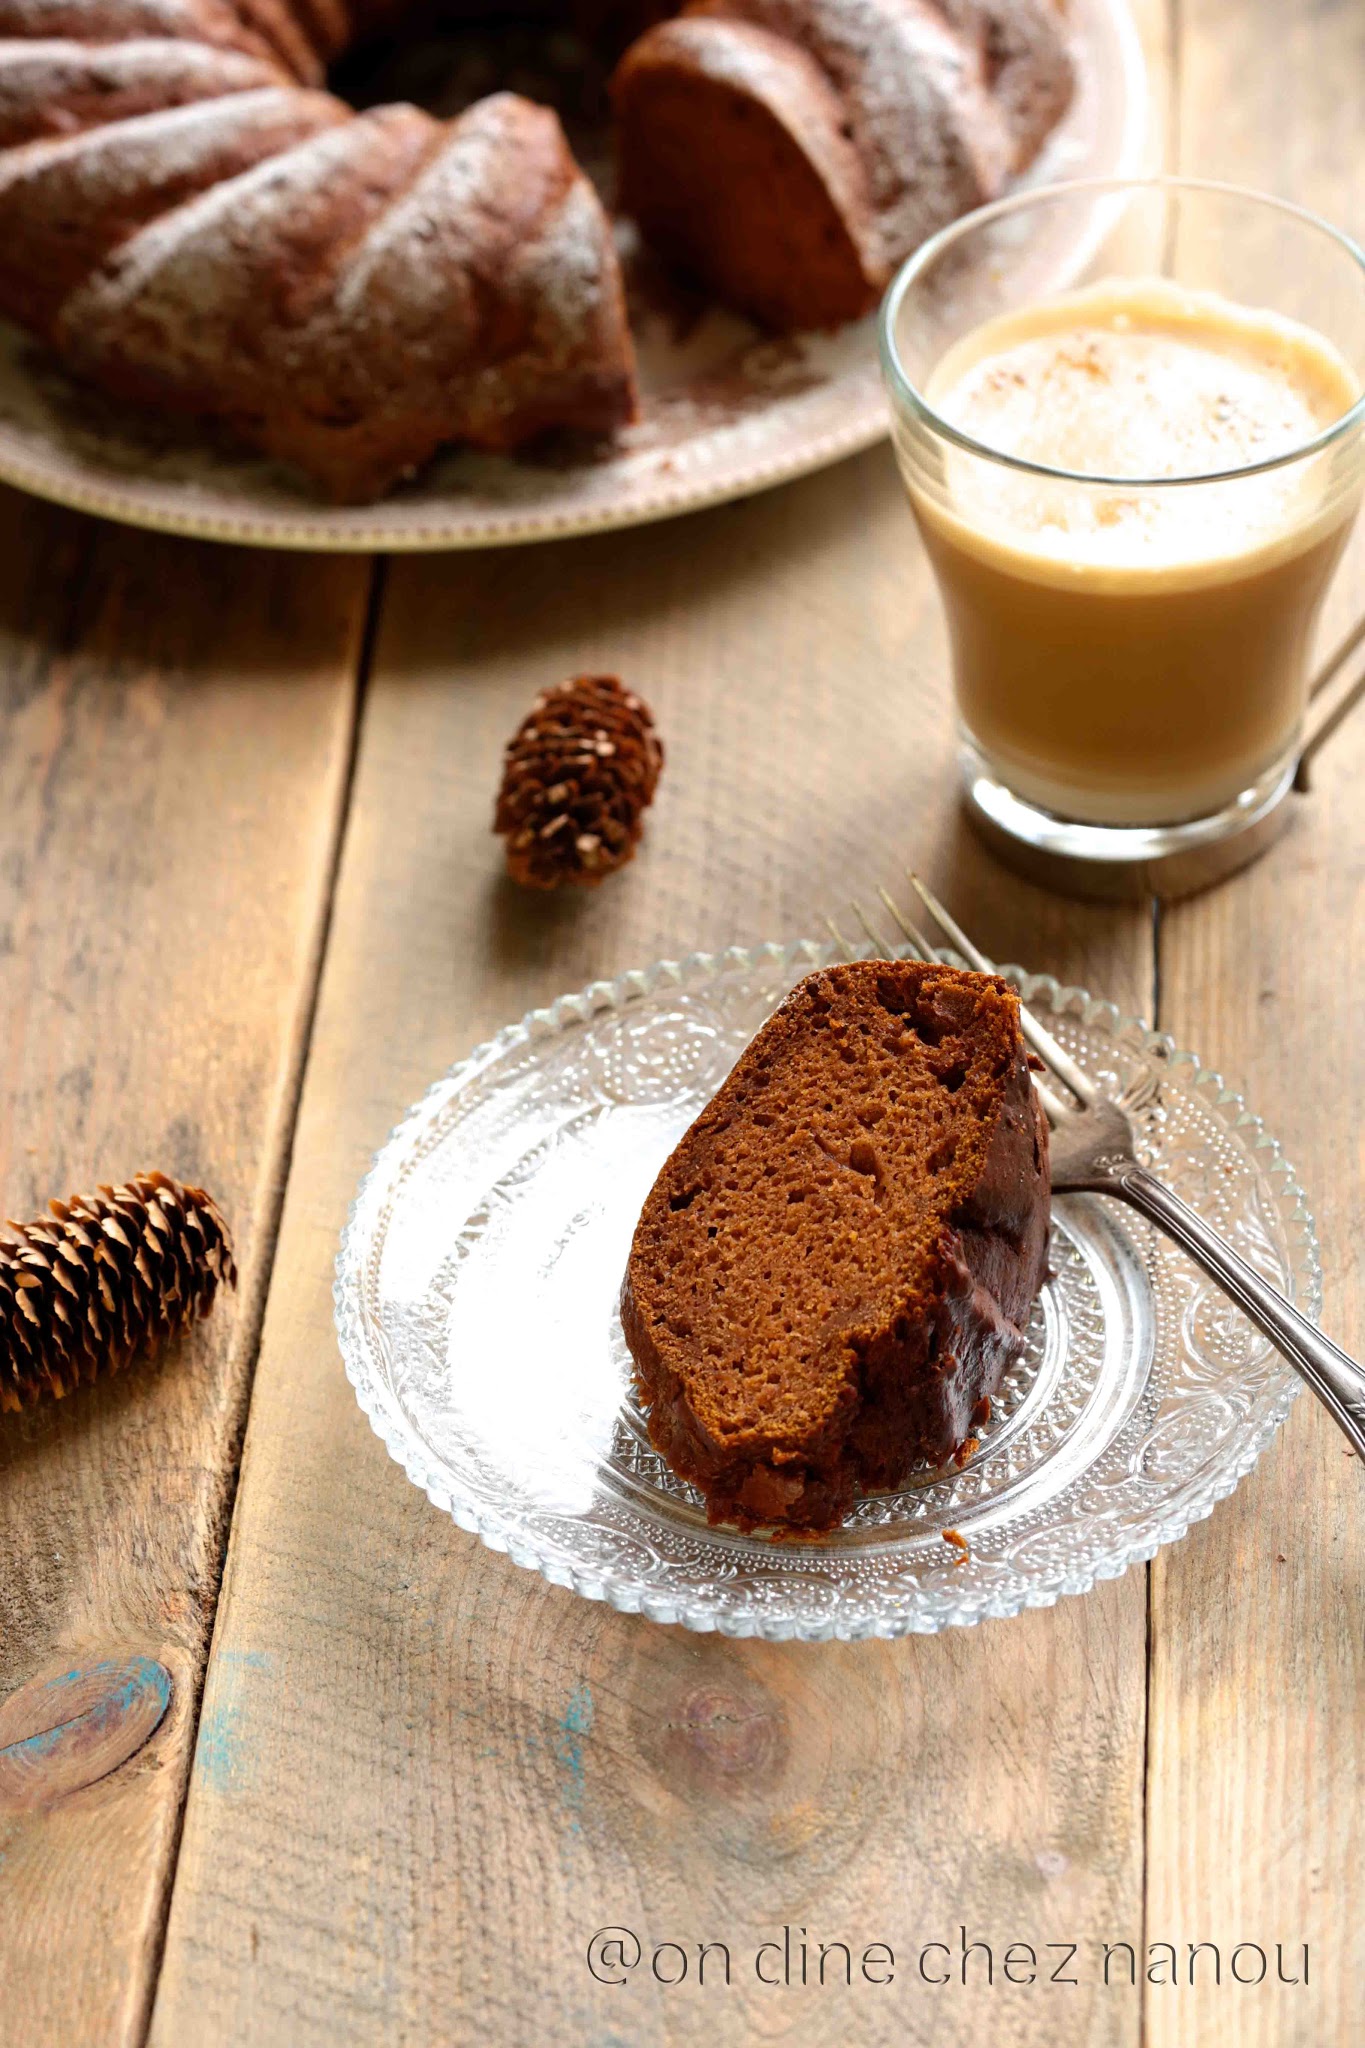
column 835, row 1267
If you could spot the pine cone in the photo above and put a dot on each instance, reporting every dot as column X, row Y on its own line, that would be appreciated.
column 579, row 773
column 103, row 1278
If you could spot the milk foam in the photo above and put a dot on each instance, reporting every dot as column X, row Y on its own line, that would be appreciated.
column 1140, row 378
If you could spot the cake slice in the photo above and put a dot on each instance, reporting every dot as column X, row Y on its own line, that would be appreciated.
column 837, row 1263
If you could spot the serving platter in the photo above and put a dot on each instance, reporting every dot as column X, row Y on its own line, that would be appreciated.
column 476, row 1303
column 725, row 410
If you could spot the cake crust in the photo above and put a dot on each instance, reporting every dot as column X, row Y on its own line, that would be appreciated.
column 836, row 1265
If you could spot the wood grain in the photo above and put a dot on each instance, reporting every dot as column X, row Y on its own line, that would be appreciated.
column 175, row 726
column 1258, row 1671
column 423, row 1777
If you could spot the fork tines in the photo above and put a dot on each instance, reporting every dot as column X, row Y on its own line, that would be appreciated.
column 1055, row 1057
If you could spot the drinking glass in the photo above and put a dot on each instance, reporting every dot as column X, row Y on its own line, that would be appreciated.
column 1122, row 722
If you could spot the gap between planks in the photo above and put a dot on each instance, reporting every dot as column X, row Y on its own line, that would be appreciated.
column 270, row 1231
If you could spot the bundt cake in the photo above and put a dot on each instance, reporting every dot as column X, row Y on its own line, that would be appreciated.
column 792, row 153
column 195, row 224
column 835, row 1267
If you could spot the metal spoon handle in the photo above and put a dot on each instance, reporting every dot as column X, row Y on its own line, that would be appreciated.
column 1336, row 1379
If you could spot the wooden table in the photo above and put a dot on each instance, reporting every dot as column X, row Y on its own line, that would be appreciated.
column 249, row 905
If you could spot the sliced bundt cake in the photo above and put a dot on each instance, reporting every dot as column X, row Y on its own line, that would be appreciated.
column 195, row 225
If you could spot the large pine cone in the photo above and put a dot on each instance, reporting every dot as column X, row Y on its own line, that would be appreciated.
column 578, row 776
column 103, row 1278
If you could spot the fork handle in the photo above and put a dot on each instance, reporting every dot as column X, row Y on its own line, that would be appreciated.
column 1337, row 1380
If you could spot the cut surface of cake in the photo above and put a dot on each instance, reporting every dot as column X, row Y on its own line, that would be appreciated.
column 790, row 154
column 836, row 1266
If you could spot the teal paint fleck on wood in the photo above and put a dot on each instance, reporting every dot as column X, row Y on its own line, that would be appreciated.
column 222, row 1753
column 576, row 1723
column 70, row 1730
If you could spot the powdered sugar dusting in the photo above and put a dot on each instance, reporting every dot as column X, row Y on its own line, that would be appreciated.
column 1029, row 63
column 931, row 139
column 208, row 21
column 192, row 249
column 106, row 165
column 501, row 166
column 743, row 54
column 55, row 64
column 567, row 265
column 437, row 227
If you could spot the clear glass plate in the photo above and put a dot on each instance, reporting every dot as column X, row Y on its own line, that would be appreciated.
column 476, row 1302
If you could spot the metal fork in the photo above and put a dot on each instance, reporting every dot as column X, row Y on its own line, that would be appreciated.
column 1093, row 1152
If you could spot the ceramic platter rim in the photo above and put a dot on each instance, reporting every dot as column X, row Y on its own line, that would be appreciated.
column 53, row 447
column 868, row 1581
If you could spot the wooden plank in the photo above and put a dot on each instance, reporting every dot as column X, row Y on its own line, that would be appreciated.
column 423, row 1777
column 175, row 729
column 1258, row 1673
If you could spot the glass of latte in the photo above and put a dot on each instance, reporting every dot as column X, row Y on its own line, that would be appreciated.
column 1134, row 471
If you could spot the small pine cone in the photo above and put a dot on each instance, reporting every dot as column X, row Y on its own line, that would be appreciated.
column 103, row 1278
column 579, row 773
